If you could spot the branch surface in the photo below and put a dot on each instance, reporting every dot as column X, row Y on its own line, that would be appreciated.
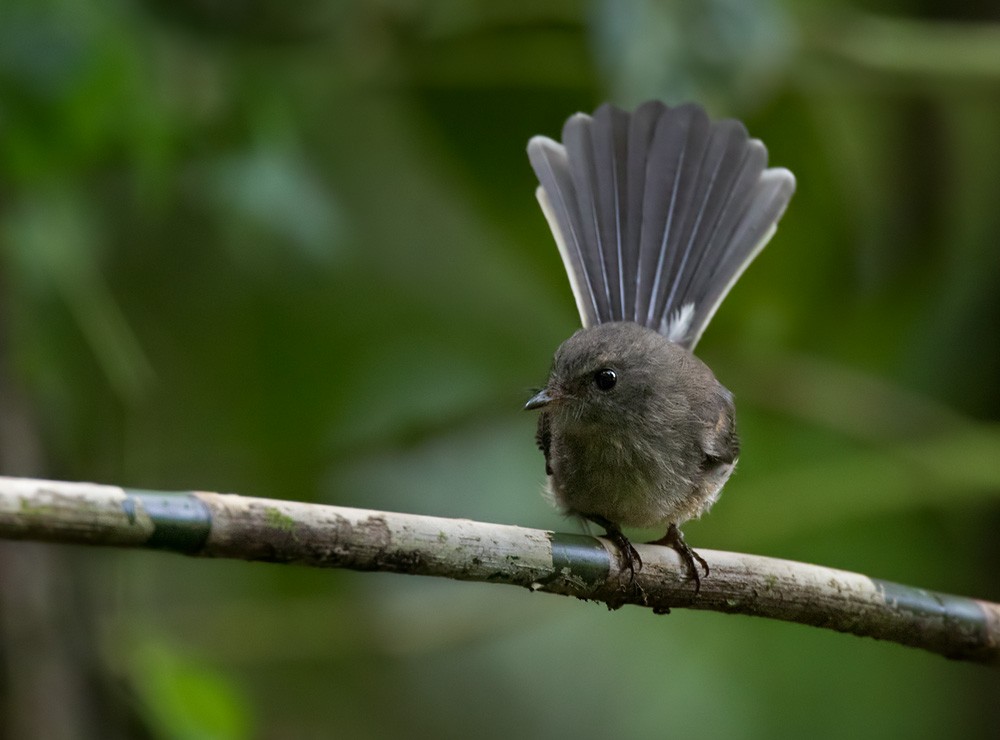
column 220, row 525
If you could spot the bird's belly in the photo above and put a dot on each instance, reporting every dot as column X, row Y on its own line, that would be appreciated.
column 625, row 485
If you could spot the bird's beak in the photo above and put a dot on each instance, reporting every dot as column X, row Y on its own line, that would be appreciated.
column 541, row 399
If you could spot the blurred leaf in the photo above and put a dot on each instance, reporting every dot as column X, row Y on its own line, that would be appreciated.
column 53, row 242
column 186, row 699
column 277, row 192
column 714, row 52
column 939, row 49
column 836, row 486
column 50, row 75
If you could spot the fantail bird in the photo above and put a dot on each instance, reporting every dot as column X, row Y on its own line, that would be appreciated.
column 656, row 214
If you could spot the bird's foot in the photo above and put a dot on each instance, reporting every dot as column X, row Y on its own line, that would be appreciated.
column 627, row 554
column 675, row 540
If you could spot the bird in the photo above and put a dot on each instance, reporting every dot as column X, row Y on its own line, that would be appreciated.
column 656, row 214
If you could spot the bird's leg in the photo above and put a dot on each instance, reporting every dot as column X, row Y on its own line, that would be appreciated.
column 629, row 555
column 674, row 539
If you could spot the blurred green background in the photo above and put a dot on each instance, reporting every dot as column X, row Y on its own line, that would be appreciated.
column 292, row 250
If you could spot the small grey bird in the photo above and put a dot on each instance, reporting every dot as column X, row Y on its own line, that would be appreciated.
column 656, row 215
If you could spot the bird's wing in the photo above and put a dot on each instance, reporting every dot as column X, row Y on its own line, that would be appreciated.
column 657, row 212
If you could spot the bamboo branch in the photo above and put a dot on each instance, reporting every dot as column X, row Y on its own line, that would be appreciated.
column 230, row 526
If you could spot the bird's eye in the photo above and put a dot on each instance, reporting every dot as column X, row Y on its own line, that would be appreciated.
column 605, row 379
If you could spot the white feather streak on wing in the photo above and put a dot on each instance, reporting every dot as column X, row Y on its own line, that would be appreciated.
column 678, row 323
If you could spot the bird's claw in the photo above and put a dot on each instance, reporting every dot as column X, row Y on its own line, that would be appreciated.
column 628, row 556
column 675, row 540
column 627, row 553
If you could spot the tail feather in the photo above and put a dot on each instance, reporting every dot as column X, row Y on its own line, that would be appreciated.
column 586, row 180
column 642, row 126
column 671, row 164
column 657, row 212
column 609, row 142
column 557, row 196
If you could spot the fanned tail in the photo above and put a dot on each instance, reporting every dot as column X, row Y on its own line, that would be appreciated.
column 657, row 213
